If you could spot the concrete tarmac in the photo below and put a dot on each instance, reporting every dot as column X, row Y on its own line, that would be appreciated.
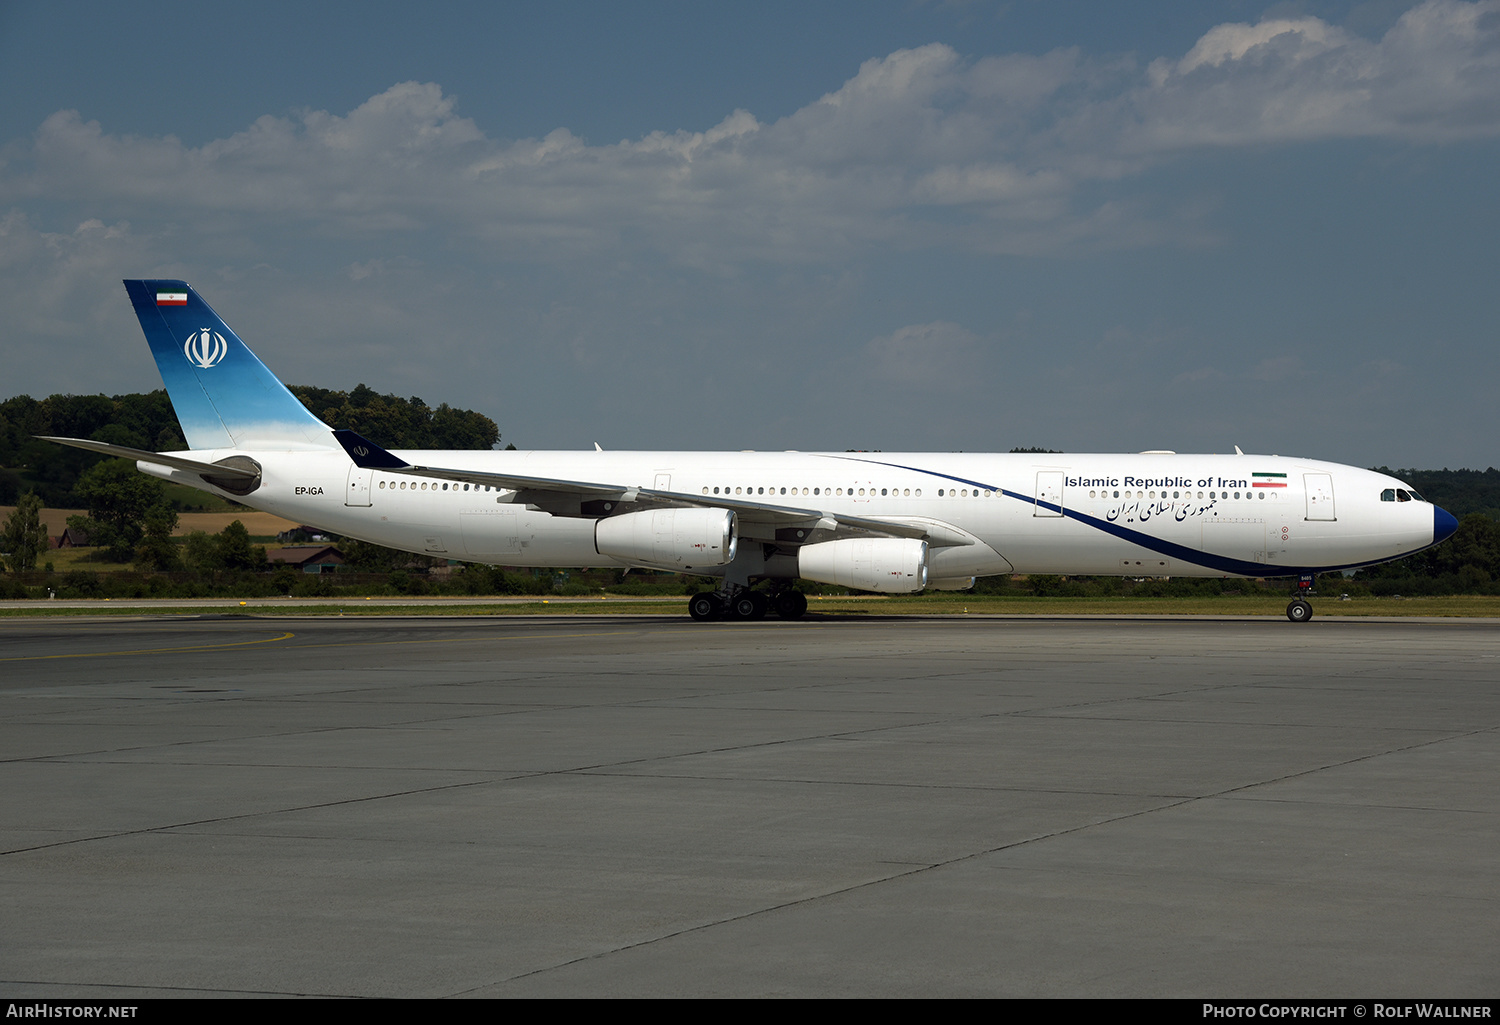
column 623, row 806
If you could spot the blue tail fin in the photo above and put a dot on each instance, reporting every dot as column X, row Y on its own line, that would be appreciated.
column 223, row 395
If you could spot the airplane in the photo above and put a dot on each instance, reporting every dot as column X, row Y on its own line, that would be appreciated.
column 758, row 521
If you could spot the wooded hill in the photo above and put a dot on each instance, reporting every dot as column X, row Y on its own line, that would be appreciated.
column 147, row 421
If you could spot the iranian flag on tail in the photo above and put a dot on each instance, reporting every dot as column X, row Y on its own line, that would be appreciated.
column 171, row 298
column 1269, row 480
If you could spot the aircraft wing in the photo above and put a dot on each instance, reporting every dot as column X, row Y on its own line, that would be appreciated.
column 368, row 455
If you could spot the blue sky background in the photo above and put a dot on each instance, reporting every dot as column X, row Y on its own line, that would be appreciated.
column 882, row 225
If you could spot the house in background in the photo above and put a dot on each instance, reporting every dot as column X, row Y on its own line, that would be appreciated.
column 307, row 558
column 302, row 532
column 69, row 538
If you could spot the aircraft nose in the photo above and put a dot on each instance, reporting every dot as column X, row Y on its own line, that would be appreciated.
column 1443, row 525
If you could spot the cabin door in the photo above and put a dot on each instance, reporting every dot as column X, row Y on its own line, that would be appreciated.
column 1049, row 496
column 358, row 491
column 1319, row 496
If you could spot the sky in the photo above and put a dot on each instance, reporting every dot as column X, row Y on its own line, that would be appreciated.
column 881, row 224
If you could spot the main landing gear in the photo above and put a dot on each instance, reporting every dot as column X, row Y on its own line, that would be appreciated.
column 746, row 604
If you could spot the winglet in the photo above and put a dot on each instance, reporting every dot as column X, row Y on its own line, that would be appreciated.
column 366, row 454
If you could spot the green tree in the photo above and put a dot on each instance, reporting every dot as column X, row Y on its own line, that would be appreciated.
column 118, row 499
column 393, row 422
column 25, row 535
column 235, row 550
column 157, row 551
column 228, row 549
column 10, row 486
column 200, row 551
column 371, row 558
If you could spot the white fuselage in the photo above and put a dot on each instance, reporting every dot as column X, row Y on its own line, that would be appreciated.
column 1152, row 514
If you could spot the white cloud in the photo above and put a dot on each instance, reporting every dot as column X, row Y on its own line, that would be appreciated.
column 1237, row 42
column 921, row 148
column 62, row 296
column 938, row 356
column 1435, row 76
column 1278, row 369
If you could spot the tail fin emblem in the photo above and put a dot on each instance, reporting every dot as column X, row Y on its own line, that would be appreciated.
column 204, row 348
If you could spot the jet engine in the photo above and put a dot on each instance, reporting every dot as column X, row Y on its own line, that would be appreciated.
column 670, row 538
column 950, row 583
column 892, row 564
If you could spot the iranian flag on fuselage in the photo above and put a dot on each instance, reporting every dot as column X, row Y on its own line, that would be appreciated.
column 171, row 298
column 1269, row 480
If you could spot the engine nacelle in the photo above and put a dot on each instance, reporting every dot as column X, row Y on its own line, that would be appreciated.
column 670, row 538
column 950, row 583
column 893, row 564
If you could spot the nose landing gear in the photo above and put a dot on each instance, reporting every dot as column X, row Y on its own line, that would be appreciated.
column 1299, row 611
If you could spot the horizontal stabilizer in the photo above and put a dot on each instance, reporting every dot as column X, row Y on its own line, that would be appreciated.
column 158, row 458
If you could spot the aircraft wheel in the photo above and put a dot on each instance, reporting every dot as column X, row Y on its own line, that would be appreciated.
column 705, row 606
column 1299, row 611
column 791, row 604
column 749, row 605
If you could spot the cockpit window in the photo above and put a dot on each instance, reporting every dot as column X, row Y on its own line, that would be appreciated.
column 1388, row 495
column 1402, row 496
